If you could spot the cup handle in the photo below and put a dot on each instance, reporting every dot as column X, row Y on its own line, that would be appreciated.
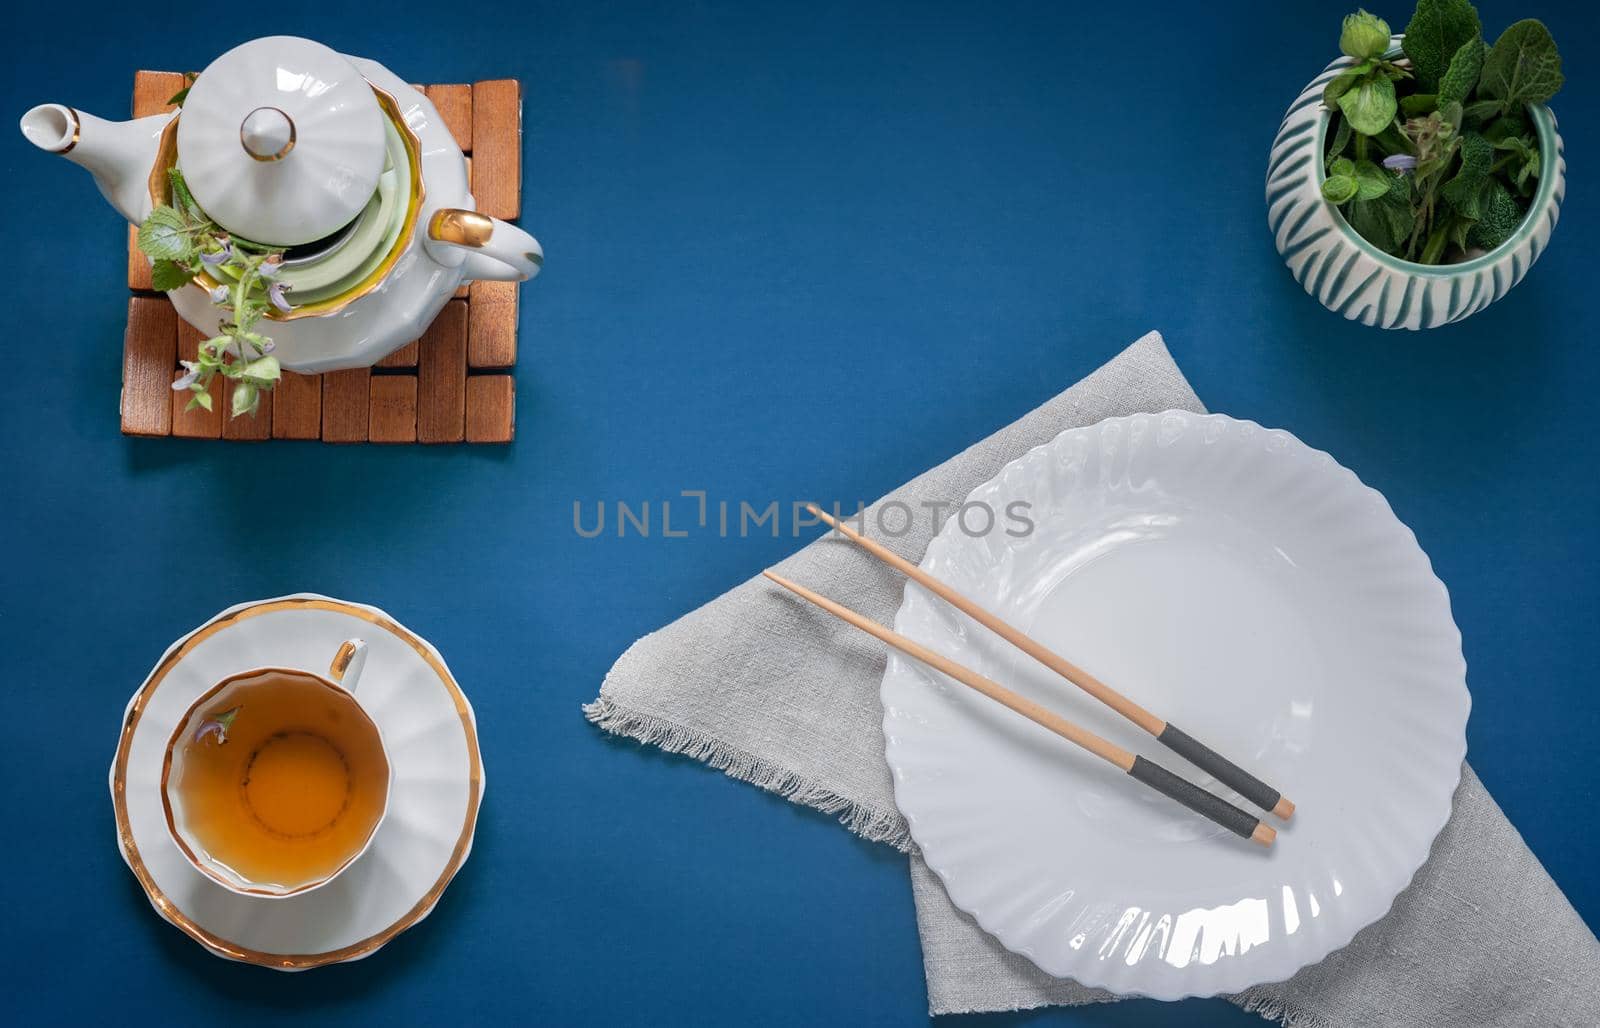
column 347, row 664
column 496, row 250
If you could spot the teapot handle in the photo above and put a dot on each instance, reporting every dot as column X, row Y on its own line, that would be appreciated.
column 496, row 250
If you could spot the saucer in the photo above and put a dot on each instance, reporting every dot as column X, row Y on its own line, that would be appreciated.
column 438, row 784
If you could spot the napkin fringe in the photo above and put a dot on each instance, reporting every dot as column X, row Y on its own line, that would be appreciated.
column 1257, row 1000
column 874, row 825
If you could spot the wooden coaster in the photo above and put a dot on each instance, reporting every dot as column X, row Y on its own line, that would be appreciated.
column 450, row 386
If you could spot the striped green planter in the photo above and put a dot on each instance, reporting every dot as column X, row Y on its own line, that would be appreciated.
column 1349, row 275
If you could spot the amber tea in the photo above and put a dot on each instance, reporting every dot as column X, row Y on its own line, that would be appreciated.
column 276, row 781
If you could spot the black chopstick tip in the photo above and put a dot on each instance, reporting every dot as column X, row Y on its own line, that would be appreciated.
column 1224, row 770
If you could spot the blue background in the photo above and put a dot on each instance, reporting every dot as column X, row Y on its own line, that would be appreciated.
column 797, row 251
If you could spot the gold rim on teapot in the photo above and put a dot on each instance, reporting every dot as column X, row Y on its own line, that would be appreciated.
column 161, row 193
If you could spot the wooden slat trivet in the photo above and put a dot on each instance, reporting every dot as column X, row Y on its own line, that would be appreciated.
column 442, row 388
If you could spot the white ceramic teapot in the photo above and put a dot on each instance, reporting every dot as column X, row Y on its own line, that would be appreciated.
column 288, row 144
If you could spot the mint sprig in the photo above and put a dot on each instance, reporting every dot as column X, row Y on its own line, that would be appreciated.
column 1438, row 28
column 1444, row 131
column 183, row 94
column 182, row 242
column 1523, row 67
column 1365, row 92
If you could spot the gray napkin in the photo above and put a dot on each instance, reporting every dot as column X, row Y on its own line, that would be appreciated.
column 784, row 696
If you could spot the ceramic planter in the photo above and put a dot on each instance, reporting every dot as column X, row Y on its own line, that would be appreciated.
column 1352, row 277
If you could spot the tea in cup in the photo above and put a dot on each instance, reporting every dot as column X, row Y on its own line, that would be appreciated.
column 276, row 779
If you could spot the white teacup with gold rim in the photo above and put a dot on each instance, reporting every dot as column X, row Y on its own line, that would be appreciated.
column 289, row 145
column 275, row 780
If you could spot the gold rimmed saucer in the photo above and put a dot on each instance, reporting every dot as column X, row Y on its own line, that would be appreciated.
column 438, row 786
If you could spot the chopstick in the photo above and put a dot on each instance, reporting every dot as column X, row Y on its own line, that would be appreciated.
column 1166, row 733
column 1239, row 822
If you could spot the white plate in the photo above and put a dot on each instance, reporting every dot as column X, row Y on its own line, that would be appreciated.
column 1252, row 590
column 432, row 737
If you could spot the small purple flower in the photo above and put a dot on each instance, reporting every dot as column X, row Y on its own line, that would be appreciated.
column 217, row 725
column 216, row 258
column 220, row 295
column 269, row 269
column 275, row 294
column 184, row 381
column 1401, row 162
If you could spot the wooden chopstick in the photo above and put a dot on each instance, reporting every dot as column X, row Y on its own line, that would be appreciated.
column 1168, row 734
column 1239, row 822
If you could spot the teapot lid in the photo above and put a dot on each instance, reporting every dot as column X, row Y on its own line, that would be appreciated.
column 281, row 141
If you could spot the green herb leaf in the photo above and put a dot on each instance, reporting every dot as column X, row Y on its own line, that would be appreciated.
column 246, row 398
column 263, row 371
column 1501, row 216
column 1419, row 104
column 1480, row 111
column 183, row 197
column 1529, row 172
column 1364, row 36
column 1371, row 180
column 173, row 237
column 166, row 276
column 1436, row 31
column 1384, row 221
column 1341, row 139
column 1523, row 67
column 1477, row 155
column 1393, row 140
column 1366, row 219
column 1523, row 161
column 1465, row 196
column 1342, row 83
column 1465, row 191
column 1438, row 239
column 1371, row 106
column 165, row 235
column 1462, row 75
column 1452, row 114
column 183, row 94
column 1512, row 125
column 201, row 399
column 1339, row 189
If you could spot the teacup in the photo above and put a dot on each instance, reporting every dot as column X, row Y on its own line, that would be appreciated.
column 276, row 780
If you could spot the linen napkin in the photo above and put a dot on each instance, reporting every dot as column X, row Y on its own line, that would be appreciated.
column 786, row 697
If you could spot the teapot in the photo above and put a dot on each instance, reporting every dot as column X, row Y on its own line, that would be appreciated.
column 336, row 162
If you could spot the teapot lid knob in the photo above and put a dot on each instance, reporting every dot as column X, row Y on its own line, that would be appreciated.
column 267, row 134
column 254, row 106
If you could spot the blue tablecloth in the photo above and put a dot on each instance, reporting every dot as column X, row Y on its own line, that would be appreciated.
column 799, row 250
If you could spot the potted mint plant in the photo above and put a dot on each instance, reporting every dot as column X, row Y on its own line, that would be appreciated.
column 1417, row 179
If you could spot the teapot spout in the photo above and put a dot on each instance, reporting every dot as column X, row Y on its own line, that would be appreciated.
column 119, row 154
